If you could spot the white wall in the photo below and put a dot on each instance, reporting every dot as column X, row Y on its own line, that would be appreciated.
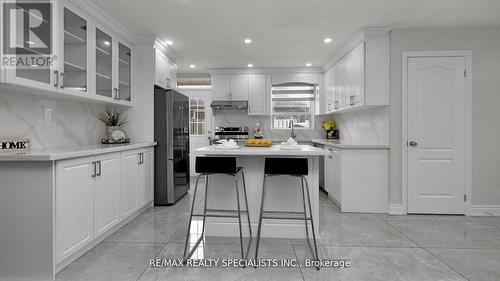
column 73, row 123
column 369, row 126
column 484, row 42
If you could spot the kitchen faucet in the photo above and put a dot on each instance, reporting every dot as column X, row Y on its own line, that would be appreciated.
column 292, row 125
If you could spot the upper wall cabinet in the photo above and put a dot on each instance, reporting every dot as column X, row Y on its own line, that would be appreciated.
column 165, row 71
column 81, row 58
column 359, row 76
column 230, row 87
column 259, row 90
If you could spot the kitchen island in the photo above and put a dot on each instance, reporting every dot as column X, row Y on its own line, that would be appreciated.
column 282, row 193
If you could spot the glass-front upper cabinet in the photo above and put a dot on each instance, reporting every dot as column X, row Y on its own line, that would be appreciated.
column 124, row 72
column 29, row 51
column 104, row 64
column 74, row 75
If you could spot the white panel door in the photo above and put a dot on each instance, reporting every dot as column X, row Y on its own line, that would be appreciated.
column 130, row 182
column 74, row 208
column 146, row 177
column 107, row 193
column 436, row 135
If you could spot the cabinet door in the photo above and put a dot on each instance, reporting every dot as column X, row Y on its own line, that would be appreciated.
column 221, row 86
column 146, row 177
column 106, row 193
column 130, row 182
column 329, row 91
column 160, row 69
column 358, row 57
column 74, row 52
column 172, row 75
column 104, row 86
column 34, row 57
column 257, row 94
column 239, row 87
column 74, row 205
column 124, row 92
column 336, row 174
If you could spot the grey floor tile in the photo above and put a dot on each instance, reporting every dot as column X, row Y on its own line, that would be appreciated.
column 451, row 234
column 220, row 251
column 378, row 264
column 148, row 229
column 474, row 264
column 112, row 261
column 359, row 233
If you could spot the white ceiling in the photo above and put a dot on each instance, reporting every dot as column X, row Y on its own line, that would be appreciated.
column 285, row 33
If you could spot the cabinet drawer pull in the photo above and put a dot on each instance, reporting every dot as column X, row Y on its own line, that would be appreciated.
column 61, row 82
column 99, row 169
column 56, row 78
column 94, row 172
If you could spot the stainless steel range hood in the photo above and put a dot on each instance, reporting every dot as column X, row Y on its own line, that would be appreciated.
column 229, row 105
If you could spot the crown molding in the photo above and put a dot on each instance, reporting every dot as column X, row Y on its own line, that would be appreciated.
column 361, row 35
column 283, row 70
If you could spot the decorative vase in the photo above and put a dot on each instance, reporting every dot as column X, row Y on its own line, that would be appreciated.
column 110, row 130
column 332, row 134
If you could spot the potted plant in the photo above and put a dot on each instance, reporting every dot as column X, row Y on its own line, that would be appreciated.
column 329, row 125
column 113, row 119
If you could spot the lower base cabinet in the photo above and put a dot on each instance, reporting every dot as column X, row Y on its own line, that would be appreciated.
column 94, row 194
column 358, row 179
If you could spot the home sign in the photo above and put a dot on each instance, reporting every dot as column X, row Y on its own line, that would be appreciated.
column 17, row 144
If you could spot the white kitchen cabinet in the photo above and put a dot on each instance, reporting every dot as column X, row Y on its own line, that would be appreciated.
column 75, row 52
column 172, row 75
column 106, row 192
column 89, row 60
column 358, row 179
column 259, row 89
column 329, row 90
column 161, row 69
column 130, row 181
column 146, row 176
column 230, row 87
column 361, row 73
column 74, row 207
column 333, row 174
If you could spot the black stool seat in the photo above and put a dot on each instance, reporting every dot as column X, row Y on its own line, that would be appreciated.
column 216, row 165
column 286, row 166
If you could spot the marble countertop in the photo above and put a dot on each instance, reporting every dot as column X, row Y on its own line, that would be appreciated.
column 274, row 150
column 73, row 151
column 340, row 144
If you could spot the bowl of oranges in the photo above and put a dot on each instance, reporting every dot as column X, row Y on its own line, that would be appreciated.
column 258, row 142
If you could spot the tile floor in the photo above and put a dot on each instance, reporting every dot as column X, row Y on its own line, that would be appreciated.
column 379, row 247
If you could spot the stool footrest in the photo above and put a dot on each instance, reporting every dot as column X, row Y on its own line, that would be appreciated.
column 279, row 215
column 219, row 213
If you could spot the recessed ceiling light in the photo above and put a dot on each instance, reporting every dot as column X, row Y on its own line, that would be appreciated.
column 308, row 64
column 169, row 42
column 250, row 65
column 327, row 40
column 192, row 66
column 30, row 42
column 107, row 43
column 248, row 41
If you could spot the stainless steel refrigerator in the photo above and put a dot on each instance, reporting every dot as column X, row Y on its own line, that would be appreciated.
column 172, row 151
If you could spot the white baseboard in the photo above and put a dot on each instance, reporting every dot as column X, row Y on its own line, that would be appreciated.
column 484, row 210
column 396, row 209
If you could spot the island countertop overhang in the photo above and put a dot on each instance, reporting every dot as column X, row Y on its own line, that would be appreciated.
column 275, row 150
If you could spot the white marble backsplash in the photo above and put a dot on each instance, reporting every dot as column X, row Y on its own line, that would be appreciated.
column 73, row 123
column 368, row 126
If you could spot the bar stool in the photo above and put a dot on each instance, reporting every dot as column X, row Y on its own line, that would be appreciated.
column 295, row 167
column 209, row 166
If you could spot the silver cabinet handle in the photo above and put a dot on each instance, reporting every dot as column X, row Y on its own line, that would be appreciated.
column 94, row 172
column 99, row 169
column 139, row 161
column 118, row 94
column 413, row 143
column 61, row 82
column 352, row 100
column 56, row 78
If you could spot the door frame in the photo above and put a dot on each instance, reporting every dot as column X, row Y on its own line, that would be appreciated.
column 467, row 54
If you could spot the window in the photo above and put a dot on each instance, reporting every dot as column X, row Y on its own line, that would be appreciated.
column 197, row 124
column 293, row 102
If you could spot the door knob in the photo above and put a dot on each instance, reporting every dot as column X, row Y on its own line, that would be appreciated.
column 413, row 143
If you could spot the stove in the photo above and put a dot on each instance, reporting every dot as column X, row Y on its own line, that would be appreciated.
column 236, row 133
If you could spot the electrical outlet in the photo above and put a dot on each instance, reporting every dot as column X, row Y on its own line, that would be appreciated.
column 47, row 114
